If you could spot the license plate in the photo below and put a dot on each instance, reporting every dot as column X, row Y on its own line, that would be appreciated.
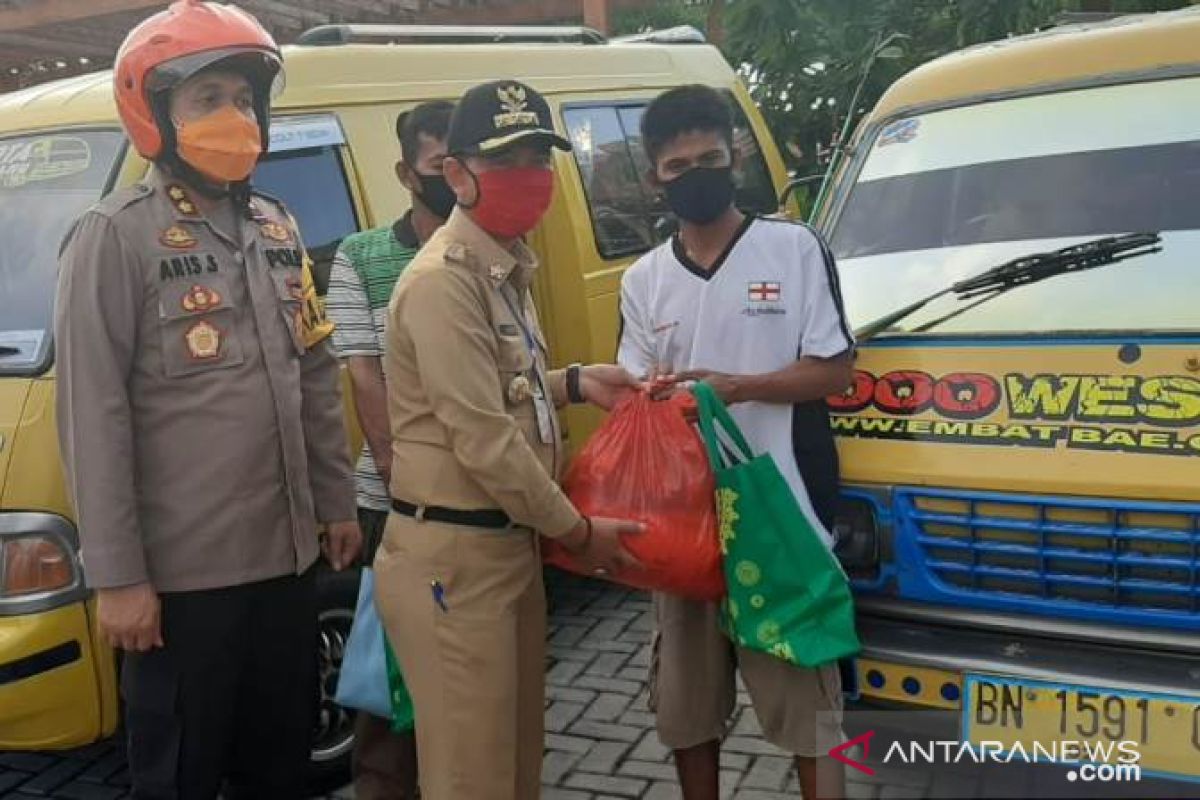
column 1164, row 728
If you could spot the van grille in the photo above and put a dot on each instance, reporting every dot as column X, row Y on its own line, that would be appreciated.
column 1105, row 558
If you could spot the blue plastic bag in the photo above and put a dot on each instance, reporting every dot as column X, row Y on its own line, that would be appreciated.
column 363, row 683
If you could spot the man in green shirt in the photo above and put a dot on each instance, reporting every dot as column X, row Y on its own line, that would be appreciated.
column 364, row 272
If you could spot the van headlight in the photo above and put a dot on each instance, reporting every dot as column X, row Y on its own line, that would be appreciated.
column 39, row 565
column 856, row 536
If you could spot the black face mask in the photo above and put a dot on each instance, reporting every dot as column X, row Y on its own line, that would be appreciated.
column 701, row 194
column 437, row 195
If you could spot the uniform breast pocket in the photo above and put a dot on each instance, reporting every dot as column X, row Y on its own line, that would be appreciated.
column 289, row 291
column 198, row 326
column 515, row 364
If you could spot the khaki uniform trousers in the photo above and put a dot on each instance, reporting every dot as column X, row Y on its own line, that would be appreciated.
column 465, row 609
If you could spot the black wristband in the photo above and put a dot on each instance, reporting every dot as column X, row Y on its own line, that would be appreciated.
column 574, row 390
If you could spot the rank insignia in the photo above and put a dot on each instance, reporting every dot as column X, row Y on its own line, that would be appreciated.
column 177, row 238
column 183, row 203
column 256, row 213
column 497, row 272
column 273, row 230
column 200, row 298
column 203, row 341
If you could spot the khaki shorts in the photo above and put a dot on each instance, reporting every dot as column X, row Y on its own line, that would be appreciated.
column 693, row 689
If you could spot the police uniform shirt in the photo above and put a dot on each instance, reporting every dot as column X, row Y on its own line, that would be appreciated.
column 199, row 412
column 771, row 297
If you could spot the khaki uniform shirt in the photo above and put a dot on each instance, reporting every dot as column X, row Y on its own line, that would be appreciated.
column 469, row 397
column 199, row 410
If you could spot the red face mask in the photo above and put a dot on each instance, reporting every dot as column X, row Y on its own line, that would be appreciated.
column 512, row 201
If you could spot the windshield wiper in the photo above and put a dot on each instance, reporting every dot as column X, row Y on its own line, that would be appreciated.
column 1023, row 271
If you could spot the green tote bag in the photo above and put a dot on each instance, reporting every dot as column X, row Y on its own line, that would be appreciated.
column 788, row 596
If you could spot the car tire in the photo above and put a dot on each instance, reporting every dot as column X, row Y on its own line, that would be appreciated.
column 333, row 731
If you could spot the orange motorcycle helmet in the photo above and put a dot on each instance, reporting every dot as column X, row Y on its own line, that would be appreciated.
column 177, row 43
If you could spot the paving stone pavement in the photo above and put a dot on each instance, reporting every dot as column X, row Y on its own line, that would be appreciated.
column 600, row 741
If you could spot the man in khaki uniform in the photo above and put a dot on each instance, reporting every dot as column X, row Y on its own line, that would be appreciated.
column 200, row 422
column 476, row 448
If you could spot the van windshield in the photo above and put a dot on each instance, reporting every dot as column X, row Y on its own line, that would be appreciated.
column 945, row 195
column 46, row 182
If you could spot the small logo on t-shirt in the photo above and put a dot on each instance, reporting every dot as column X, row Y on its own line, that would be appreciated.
column 764, row 299
column 765, row 291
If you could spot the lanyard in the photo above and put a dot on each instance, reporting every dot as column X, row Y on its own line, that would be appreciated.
column 530, row 343
column 547, row 419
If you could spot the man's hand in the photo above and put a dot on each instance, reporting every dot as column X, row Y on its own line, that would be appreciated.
column 342, row 544
column 726, row 386
column 605, row 385
column 603, row 554
column 130, row 617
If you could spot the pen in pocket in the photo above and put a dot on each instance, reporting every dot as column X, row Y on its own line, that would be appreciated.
column 439, row 594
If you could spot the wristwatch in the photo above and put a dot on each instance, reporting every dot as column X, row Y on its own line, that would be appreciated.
column 574, row 390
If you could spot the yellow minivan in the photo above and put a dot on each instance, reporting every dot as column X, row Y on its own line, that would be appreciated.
column 1021, row 454
column 331, row 159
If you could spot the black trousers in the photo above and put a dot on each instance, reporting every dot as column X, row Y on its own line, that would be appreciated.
column 228, row 704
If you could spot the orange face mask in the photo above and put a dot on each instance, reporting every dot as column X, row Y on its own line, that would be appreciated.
column 223, row 146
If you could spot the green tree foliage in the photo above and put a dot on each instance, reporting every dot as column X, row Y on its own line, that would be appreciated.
column 803, row 59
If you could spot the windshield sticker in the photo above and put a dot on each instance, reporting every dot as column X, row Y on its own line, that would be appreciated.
column 47, row 159
column 297, row 133
column 900, row 132
column 21, row 348
column 1158, row 415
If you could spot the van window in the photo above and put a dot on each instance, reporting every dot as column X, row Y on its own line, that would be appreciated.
column 312, row 184
column 628, row 215
column 46, row 182
column 945, row 195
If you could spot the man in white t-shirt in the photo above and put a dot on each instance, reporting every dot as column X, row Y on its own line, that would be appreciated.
column 752, row 307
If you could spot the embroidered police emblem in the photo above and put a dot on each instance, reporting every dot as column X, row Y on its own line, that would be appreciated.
column 515, row 104
column 273, row 230
column 203, row 340
column 177, row 238
column 200, row 298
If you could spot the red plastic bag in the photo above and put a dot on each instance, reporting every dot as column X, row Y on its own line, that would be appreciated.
column 647, row 463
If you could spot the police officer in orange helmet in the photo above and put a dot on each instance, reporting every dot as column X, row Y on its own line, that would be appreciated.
column 201, row 423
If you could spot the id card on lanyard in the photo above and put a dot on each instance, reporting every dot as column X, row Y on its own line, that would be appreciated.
column 541, row 401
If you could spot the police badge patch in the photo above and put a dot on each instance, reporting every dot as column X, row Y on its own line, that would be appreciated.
column 203, row 341
column 276, row 232
column 200, row 298
column 177, row 238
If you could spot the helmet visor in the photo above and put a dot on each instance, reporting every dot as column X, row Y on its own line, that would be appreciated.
column 261, row 67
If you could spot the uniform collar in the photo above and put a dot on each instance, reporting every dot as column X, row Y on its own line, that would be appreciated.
column 480, row 251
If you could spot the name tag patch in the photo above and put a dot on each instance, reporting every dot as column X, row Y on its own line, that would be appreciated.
column 186, row 266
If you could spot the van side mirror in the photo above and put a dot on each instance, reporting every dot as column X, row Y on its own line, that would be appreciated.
column 792, row 186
